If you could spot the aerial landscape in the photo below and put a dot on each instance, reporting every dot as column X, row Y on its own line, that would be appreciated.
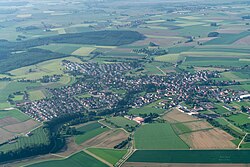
column 123, row 83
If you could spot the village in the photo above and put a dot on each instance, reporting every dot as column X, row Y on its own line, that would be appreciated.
column 100, row 87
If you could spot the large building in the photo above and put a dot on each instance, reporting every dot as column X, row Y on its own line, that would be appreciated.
column 247, row 96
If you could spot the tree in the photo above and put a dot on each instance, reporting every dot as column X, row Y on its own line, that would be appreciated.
column 213, row 34
column 243, row 109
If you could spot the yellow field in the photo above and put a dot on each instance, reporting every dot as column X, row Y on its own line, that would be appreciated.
column 172, row 58
column 83, row 51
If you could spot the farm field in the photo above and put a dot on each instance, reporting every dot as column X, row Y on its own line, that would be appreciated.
column 110, row 155
column 69, row 49
column 13, row 122
column 150, row 164
column 239, row 119
column 39, row 136
column 89, row 131
column 121, row 122
column 36, row 95
column 50, row 67
column 13, row 86
column 191, row 156
column 108, row 139
column 158, row 136
column 208, row 139
column 176, row 116
column 227, row 38
column 146, row 110
column 192, row 126
column 220, row 109
column 198, row 134
column 80, row 159
column 13, row 113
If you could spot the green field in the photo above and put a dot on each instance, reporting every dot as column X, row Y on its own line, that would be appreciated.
column 69, row 49
column 222, row 121
column 191, row 156
column 220, row 109
column 80, row 159
column 180, row 128
column 227, row 38
column 61, row 48
column 39, row 136
column 218, row 63
column 13, row 87
column 158, row 136
column 146, row 110
column 195, row 30
column 245, row 145
column 14, row 113
column 110, row 155
column 122, row 122
column 239, row 119
column 50, row 67
column 89, row 131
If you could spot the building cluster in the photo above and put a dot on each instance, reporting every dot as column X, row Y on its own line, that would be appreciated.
column 103, row 100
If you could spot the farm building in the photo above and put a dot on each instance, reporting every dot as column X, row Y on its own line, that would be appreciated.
column 247, row 96
column 139, row 120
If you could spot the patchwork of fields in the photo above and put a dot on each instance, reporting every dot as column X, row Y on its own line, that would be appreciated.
column 154, row 46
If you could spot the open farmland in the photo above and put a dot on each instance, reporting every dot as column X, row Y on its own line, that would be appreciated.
column 158, row 136
column 121, row 122
column 191, row 156
column 239, row 119
column 39, row 136
column 13, row 122
column 12, row 87
column 208, row 139
column 80, row 159
column 197, row 133
column 227, row 38
column 107, row 139
column 36, row 95
column 151, row 108
column 89, row 131
column 175, row 116
column 69, row 49
column 50, row 67
column 192, row 126
column 110, row 155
